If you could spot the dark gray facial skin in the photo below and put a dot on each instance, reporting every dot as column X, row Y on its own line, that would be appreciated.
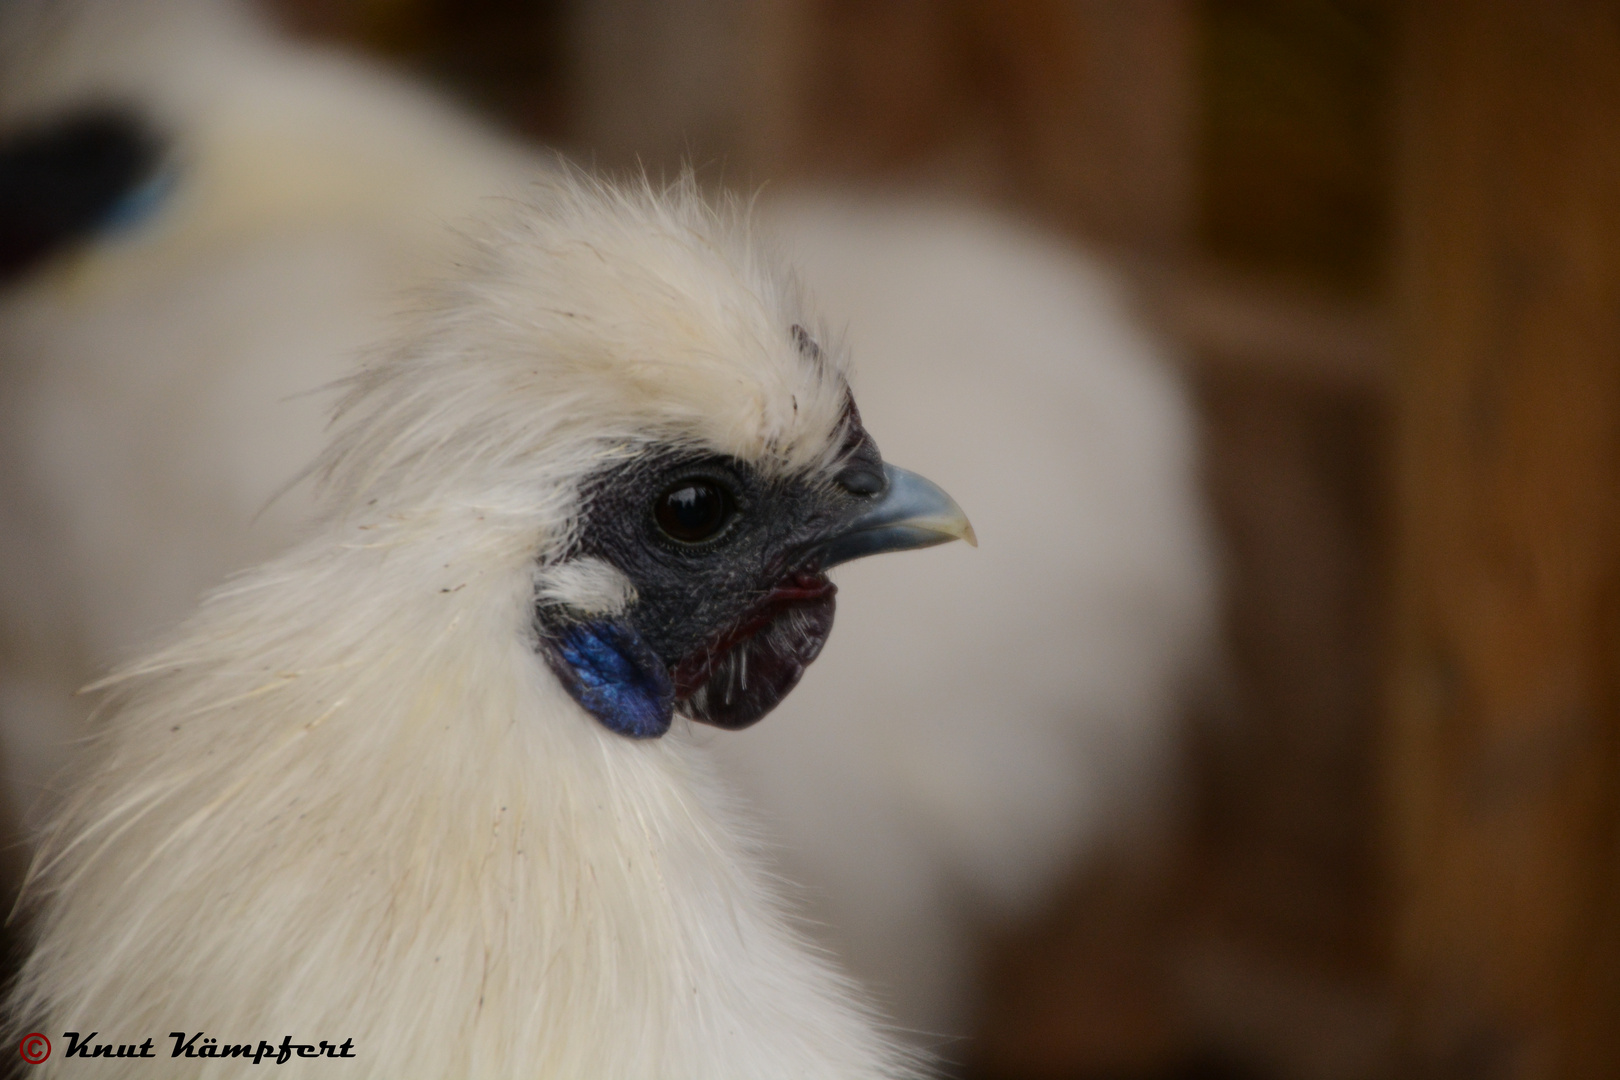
column 737, row 617
column 730, row 607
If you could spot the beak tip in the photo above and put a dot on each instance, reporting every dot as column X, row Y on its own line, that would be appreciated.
column 913, row 513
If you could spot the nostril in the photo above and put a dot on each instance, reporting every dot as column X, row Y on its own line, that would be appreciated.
column 860, row 480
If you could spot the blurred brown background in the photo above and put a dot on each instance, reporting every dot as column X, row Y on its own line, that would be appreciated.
column 1388, row 237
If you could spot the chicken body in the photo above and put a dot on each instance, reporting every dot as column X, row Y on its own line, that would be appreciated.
column 370, row 794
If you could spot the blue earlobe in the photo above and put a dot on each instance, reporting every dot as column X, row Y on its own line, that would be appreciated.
column 614, row 676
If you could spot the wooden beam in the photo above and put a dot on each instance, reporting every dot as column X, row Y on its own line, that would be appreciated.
column 1503, row 779
column 1233, row 323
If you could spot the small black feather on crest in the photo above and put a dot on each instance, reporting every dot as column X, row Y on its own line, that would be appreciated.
column 807, row 344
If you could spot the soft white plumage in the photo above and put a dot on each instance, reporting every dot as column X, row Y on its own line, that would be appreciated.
column 348, row 800
column 156, row 390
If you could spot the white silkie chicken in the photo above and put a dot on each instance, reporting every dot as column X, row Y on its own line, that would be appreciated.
column 978, row 724
column 424, row 785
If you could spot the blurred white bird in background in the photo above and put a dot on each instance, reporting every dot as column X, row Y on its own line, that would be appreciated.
column 977, row 726
column 980, row 725
column 158, row 382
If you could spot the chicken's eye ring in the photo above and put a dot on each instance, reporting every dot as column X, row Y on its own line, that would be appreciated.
column 694, row 510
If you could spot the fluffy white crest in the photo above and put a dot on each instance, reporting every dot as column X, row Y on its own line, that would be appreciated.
column 586, row 323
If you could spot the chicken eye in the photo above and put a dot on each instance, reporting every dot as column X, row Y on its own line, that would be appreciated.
column 693, row 510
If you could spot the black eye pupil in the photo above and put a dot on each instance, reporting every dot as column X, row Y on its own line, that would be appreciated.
column 693, row 510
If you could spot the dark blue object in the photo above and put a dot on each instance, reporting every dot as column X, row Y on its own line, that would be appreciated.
column 65, row 179
column 138, row 205
column 614, row 676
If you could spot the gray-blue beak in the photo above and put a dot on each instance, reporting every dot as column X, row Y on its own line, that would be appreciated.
column 912, row 512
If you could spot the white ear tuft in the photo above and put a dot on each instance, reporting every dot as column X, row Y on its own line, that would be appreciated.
column 587, row 585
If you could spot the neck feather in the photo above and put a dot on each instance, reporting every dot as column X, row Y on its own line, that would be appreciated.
column 387, row 822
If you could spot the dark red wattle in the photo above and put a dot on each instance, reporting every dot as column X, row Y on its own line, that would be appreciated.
column 802, row 587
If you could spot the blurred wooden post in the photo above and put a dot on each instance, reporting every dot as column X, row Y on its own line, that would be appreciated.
column 1076, row 110
column 1505, row 792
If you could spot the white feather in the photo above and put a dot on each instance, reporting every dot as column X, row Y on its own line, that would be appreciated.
column 588, row 585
